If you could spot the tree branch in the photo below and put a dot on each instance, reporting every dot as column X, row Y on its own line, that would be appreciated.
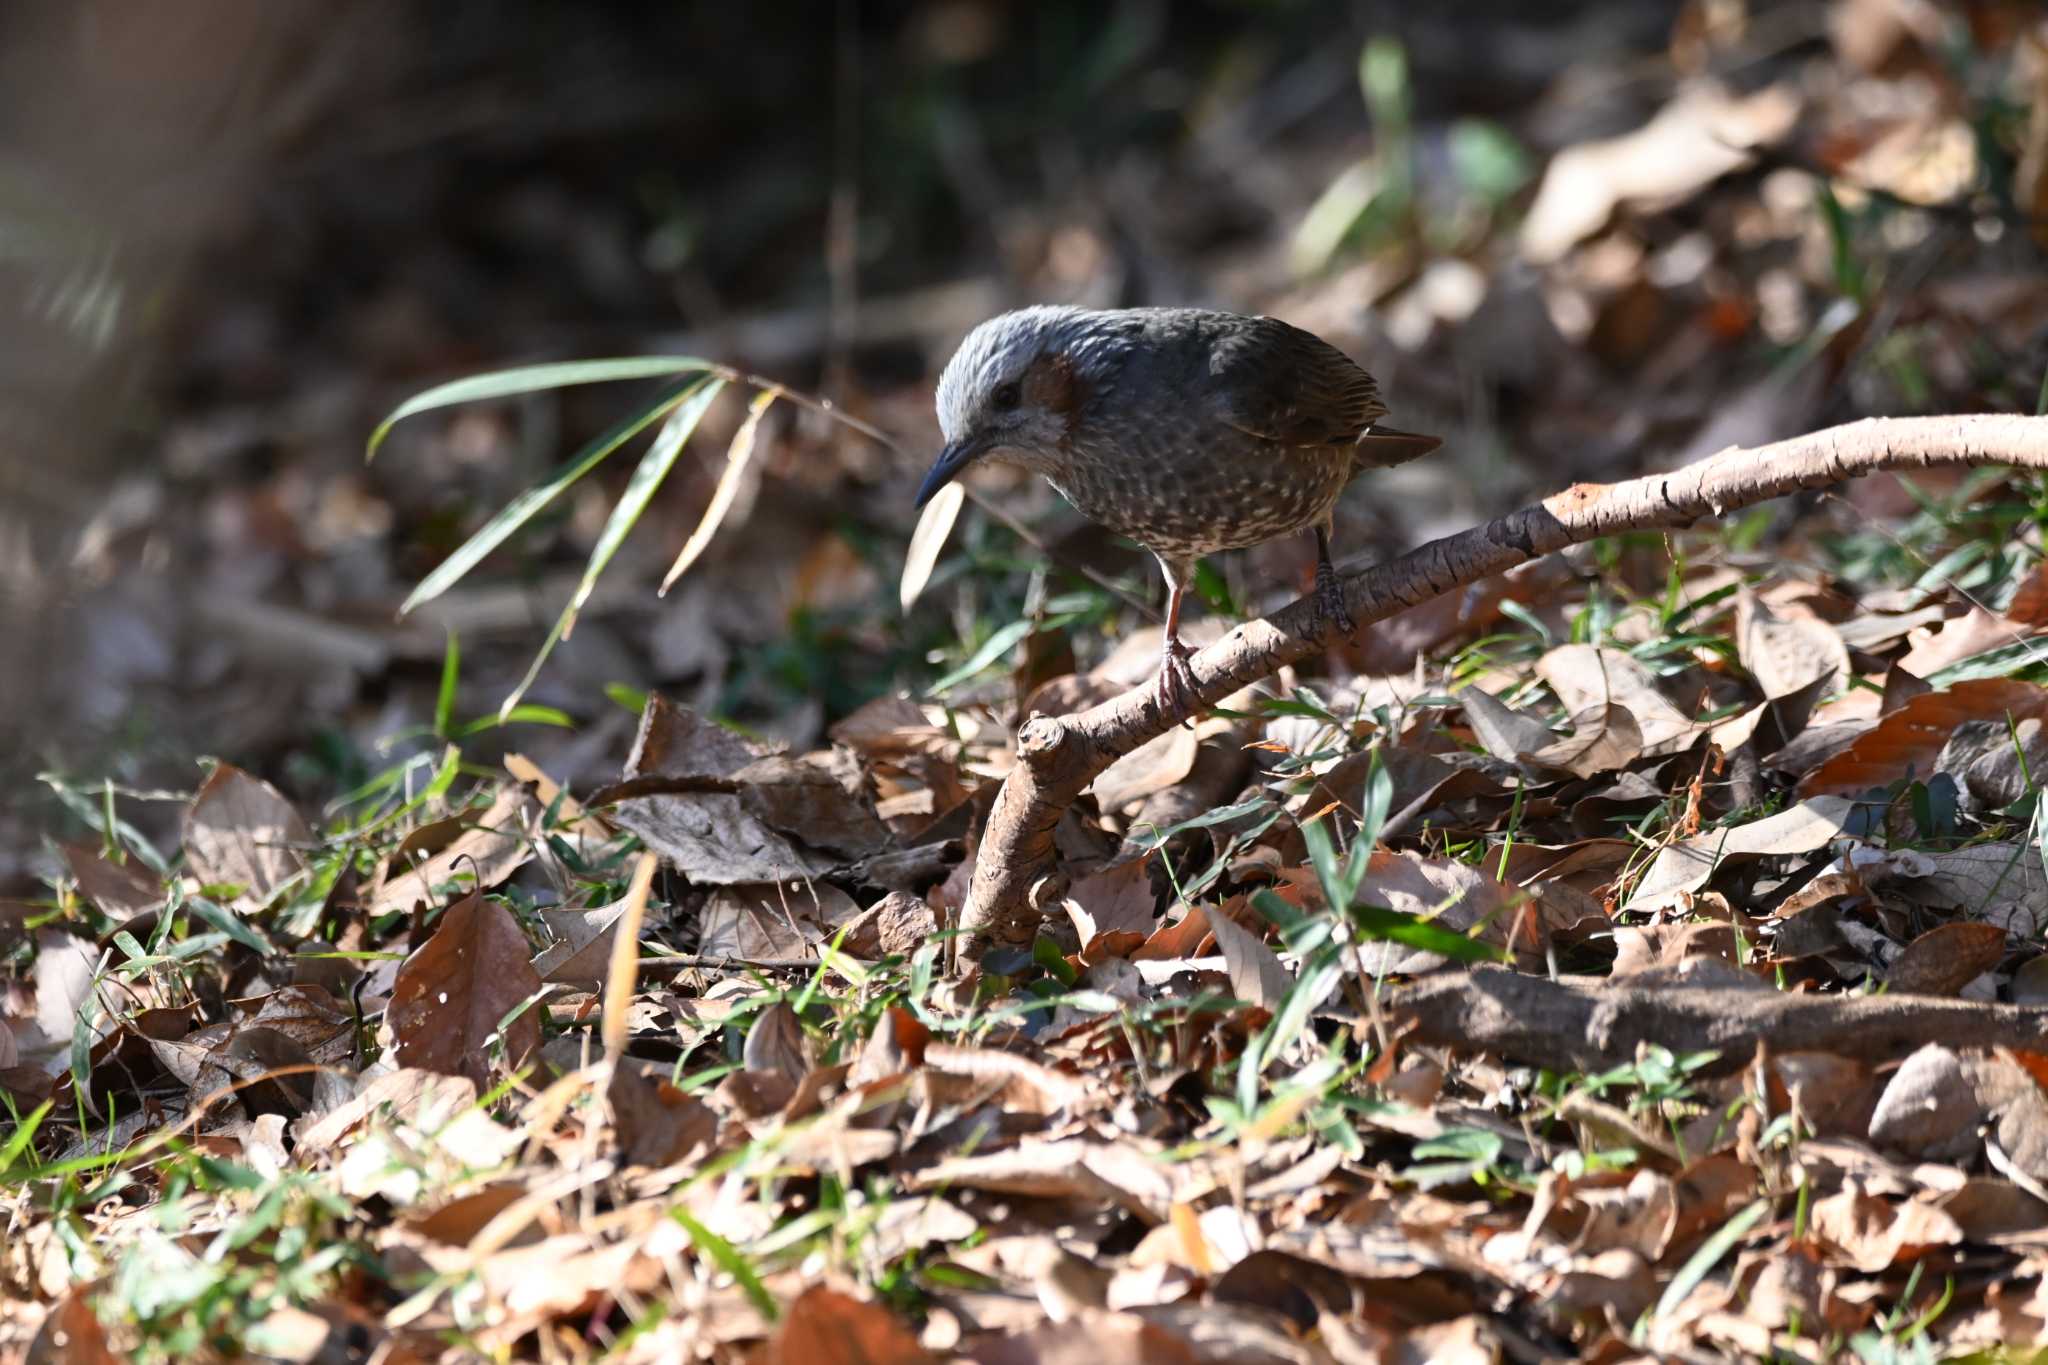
column 1015, row 871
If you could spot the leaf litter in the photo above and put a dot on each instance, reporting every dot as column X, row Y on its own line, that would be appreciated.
column 391, row 1078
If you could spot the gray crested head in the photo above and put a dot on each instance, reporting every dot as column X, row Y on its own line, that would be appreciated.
column 1009, row 392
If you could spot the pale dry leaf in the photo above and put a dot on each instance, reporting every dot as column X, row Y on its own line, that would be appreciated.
column 240, row 831
column 1685, row 867
column 1152, row 767
column 928, row 541
column 1788, row 653
column 772, row 921
column 487, row 848
column 1256, row 974
column 1704, row 133
column 1587, row 677
column 737, row 456
column 1502, row 731
column 1874, row 1234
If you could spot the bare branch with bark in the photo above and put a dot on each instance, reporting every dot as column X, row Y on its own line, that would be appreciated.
column 1016, row 876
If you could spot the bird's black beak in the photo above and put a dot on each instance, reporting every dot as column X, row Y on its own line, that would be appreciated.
column 954, row 458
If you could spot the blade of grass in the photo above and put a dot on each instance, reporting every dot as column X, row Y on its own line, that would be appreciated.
column 533, row 379
column 654, row 467
column 737, row 456
column 522, row 509
column 451, row 674
column 722, row 1254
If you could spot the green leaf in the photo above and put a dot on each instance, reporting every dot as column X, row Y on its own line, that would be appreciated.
column 523, row 508
column 534, row 379
column 529, row 713
column 451, row 673
column 722, row 1254
column 1381, row 925
column 229, row 923
column 654, row 467
column 1705, row 1259
column 992, row 649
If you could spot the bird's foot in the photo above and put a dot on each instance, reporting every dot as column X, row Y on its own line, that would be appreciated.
column 1329, row 600
column 1175, row 685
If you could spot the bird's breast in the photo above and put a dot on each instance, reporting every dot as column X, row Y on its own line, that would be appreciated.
column 1198, row 497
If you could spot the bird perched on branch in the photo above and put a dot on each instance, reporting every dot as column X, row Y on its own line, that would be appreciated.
column 1187, row 430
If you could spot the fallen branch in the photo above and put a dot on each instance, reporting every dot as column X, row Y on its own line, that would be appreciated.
column 1015, row 873
column 1584, row 1023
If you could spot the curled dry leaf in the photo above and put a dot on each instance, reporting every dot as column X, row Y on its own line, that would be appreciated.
column 484, row 848
column 1685, row 867
column 1588, row 677
column 685, row 795
column 1704, row 133
column 452, row 994
column 1255, row 971
column 1910, row 739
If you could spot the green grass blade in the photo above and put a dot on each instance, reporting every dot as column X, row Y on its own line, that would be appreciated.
column 451, row 674
column 726, row 1257
column 522, row 509
column 534, row 379
column 654, row 467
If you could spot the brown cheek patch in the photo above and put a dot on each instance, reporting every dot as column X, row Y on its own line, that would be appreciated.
column 1051, row 384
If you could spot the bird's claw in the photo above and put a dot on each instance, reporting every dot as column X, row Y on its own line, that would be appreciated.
column 1175, row 685
column 1329, row 601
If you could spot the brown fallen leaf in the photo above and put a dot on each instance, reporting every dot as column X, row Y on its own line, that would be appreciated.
column 453, row 993
column 1256, row 975
column 240, row 831
column 1947, row 958
column 485, row 848
column 826, row 1327
column 1684, row 867
column 1588, row 677
column 1786, row 653
column 1702, row 134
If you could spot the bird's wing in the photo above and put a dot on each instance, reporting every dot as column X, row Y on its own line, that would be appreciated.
column 1290, row 387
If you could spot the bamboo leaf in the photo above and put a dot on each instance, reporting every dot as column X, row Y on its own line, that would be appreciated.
column 654, row 467
column 534, row 379
column 934, row 524
column 736, row 457
column 522, row 509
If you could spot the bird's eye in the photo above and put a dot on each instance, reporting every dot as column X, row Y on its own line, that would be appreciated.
column 1006, row 396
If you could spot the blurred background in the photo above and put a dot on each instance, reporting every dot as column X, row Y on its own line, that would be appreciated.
column 1580, row 239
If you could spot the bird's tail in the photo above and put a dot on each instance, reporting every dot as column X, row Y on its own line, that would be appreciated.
column 1383, row 446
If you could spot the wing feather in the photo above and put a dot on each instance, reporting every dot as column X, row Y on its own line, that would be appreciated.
column 1291, row 387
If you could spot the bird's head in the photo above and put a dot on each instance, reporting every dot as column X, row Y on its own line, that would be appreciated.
column 1009, row 393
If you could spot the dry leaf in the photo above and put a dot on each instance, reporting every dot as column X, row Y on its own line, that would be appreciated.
column 1587, row 677
column 826, row 1327
column 1255, row 971
column 1947, row 958
column 1685, row 867
column 240, row 831
column 485, row 849
column 928, row 540
column 1786, row 654
column 454, row 992
column 1700, row 136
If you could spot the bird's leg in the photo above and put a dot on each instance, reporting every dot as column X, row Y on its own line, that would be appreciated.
column 1175, row 685
column 1329, row 593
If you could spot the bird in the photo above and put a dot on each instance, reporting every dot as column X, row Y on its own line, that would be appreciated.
column 1187, row 430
